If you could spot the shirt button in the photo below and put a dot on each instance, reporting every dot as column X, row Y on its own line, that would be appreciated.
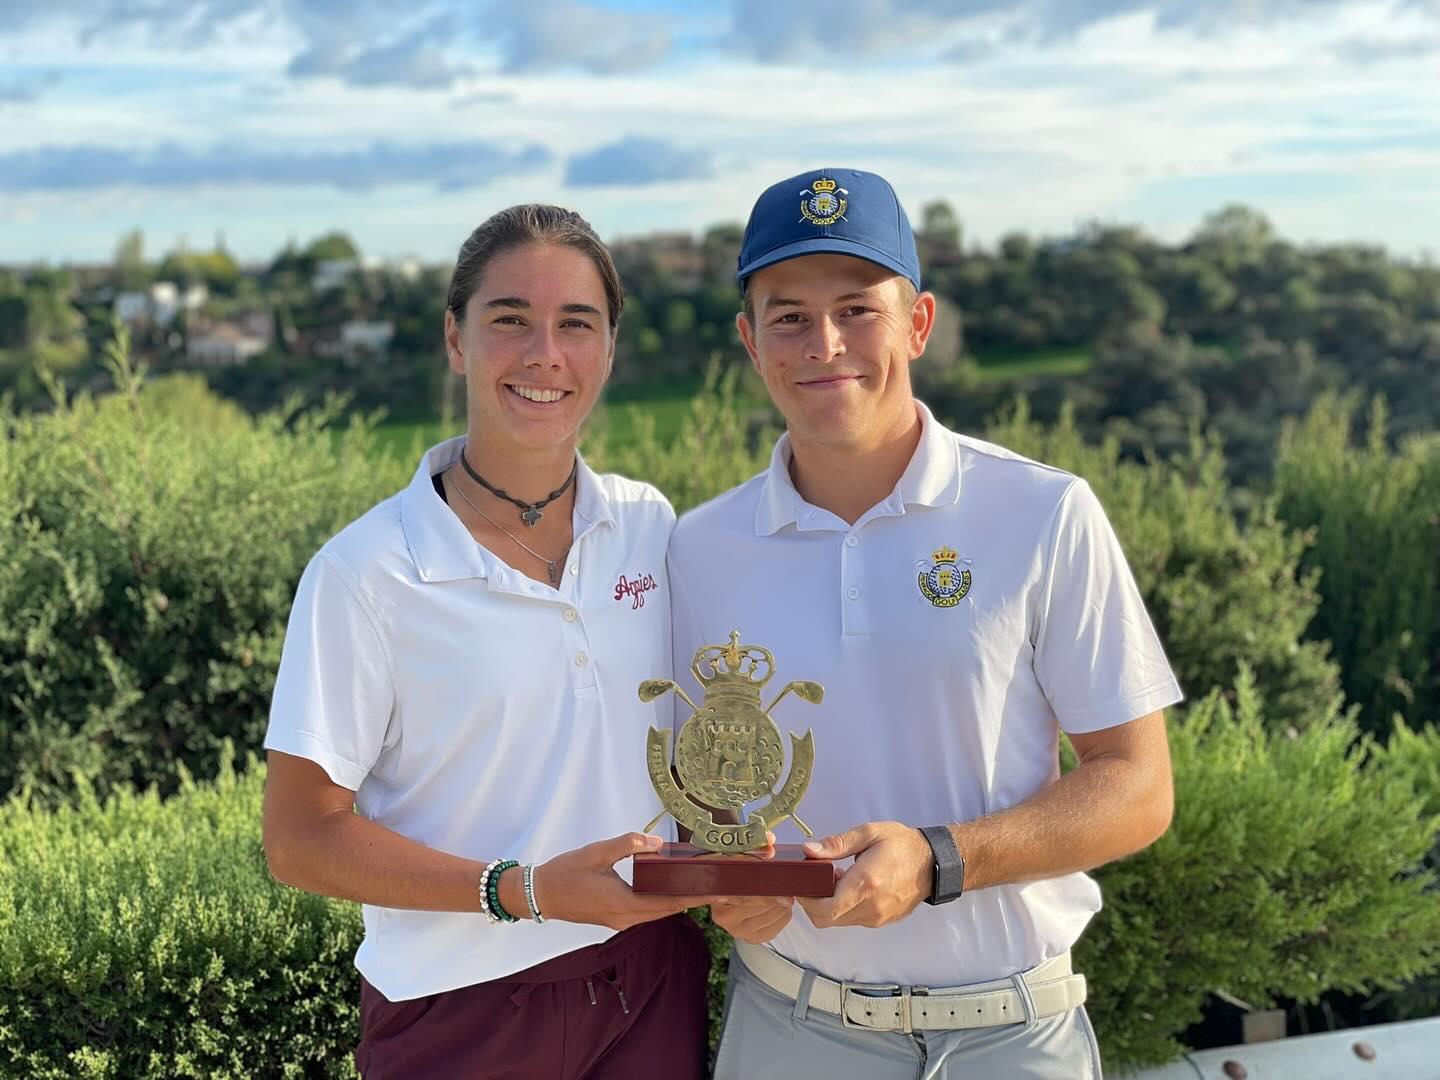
column 850, row 541
column 581, row 659
column 853, row 593
column 570, row 615
column 574, row 568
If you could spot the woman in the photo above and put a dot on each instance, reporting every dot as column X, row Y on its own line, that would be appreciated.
column 455, row 714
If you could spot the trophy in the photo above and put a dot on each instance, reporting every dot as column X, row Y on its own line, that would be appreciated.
column 729, row 755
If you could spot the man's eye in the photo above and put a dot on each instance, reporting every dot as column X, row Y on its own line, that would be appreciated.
column 509, row 320
column 855, row 309
column 577, row 324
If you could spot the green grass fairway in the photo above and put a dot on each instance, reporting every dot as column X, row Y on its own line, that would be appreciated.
column 1013, row 364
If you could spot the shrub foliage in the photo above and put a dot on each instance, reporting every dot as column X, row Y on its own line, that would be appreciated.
column 1294, row 865
column 142, row 938
column 152, row 543
column 1375, row 515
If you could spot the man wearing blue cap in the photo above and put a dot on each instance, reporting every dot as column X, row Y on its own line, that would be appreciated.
column 961, row 605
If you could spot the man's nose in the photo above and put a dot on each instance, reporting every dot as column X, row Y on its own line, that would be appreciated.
column 826, row 342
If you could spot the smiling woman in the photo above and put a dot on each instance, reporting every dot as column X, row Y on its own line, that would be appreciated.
column 455, row 722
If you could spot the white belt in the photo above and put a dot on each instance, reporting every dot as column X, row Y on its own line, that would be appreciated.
column 1042, row 991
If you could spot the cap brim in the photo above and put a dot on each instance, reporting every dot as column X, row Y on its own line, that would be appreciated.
column 822, row 245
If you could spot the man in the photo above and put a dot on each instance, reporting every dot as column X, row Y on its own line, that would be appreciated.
column 961, row 606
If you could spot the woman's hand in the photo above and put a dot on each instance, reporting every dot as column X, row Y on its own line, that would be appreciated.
column 755, row 919
column 581, row 886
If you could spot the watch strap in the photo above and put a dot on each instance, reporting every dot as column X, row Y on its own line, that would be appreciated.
column 949, row 865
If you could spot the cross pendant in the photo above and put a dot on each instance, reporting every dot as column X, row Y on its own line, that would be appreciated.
column 531, row 515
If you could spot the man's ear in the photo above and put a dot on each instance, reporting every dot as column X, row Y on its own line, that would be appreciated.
column 746, row 329
column 922, row 322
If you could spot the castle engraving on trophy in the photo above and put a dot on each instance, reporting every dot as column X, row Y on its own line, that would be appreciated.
column 729, row 755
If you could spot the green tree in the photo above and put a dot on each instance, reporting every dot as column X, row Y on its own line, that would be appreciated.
column 940, row 226
column 332, row 245
column 131, row 272
column 1375, row 515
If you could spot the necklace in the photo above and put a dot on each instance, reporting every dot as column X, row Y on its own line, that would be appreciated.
column 529, row 512
column 552, row 566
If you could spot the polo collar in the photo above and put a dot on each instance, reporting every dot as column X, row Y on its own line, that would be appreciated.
column 932, row 478
column 440, row 545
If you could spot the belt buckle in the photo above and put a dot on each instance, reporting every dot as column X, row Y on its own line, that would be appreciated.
column 880, row 990
column 860, row 990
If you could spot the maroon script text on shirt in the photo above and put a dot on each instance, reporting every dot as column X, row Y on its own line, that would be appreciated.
column 635, row 588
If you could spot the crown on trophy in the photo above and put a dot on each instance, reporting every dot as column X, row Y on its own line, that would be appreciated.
column 824, row 185
column 733, row 669
column 945, row 554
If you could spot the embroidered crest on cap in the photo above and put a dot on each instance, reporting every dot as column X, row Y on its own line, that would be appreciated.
column 823, row 203
column 943, row 581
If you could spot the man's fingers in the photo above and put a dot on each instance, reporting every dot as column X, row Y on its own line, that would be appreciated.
column 850, row 842
column 827, row 911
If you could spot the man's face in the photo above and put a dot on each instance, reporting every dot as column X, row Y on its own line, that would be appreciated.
column 833, row 338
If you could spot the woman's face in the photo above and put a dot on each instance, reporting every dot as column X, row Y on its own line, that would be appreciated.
column 535, row 346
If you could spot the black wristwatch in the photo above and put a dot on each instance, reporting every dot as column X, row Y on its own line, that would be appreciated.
column 949, row 865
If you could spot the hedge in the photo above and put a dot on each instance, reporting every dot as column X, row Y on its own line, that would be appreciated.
column 152, row 541
column 142, row 938
column 1375, row 515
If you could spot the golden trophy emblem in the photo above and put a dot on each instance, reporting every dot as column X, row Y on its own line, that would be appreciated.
column 728, row 755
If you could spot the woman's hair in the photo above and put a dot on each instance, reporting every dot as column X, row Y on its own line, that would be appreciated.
column 528, row 224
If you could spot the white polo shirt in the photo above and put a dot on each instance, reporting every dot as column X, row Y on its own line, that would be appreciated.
column 956, row 627
column 476, row 710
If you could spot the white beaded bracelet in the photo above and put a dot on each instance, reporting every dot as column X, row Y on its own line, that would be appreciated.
column 485, row 891
column 529, row 880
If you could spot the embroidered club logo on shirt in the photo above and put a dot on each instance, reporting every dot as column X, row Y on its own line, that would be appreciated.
column 635, row 588
column 823, row 203
column 942, row 579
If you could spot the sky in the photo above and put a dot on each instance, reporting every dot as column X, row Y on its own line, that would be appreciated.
column 405, row 125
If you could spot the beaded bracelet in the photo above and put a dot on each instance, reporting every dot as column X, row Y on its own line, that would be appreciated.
column 490, row 891
column 493, row 892
column 530, row 893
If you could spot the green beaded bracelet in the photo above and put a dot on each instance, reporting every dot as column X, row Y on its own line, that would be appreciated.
column 493, row 891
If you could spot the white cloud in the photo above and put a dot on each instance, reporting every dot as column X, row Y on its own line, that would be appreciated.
column 1034, row 130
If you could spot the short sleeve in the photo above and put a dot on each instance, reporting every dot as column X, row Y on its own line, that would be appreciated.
column 333, row 693
column 1097, row 656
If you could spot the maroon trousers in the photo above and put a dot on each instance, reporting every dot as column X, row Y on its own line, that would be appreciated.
column 634, row 1006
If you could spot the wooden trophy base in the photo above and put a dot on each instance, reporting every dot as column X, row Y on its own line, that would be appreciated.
column 685, row 870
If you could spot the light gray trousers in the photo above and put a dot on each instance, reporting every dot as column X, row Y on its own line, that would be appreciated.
column 766, row 1036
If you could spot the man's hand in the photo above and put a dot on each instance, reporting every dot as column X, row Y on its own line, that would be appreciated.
column 894, row 870
column 581, row 886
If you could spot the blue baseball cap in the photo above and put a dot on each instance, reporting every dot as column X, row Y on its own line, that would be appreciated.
column 834, row 211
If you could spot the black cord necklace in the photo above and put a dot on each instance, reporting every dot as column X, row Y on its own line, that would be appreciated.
column 529, row 512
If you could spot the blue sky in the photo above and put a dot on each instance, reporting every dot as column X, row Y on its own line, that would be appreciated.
column 405, row 125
